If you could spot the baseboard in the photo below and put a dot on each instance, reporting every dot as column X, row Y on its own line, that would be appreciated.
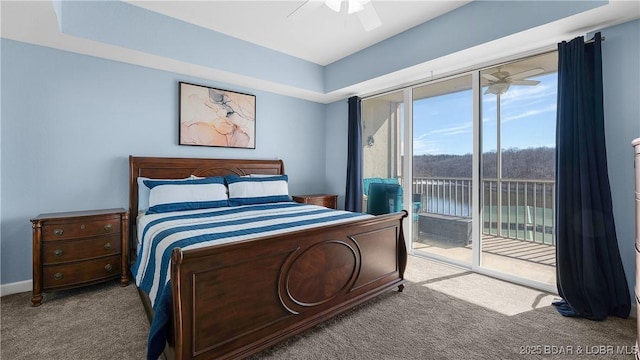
column 16, row 287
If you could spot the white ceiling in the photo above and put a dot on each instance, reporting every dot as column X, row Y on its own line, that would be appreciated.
column 318, row 34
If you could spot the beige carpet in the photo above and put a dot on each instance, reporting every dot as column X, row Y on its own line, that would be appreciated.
column 444, row 313
column 104, row 321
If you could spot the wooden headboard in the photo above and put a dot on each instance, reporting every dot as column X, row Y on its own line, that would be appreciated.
column 179, row 168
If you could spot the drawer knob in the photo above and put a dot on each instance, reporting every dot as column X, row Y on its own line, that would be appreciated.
column 58, row 232
column 57, row 276
column 107, row 246
column 108, row 267
column 107, row 227
column 57, row 252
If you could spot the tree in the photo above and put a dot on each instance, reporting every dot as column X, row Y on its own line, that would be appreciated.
column 532, row 164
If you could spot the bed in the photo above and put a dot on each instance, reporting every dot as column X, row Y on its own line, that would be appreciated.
column 232, row 300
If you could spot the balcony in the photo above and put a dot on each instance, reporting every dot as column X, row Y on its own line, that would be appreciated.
column 518, row 230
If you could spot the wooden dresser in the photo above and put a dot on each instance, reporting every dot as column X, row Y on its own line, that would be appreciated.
column 78, row 248
column 636, row 163
column 326, row 200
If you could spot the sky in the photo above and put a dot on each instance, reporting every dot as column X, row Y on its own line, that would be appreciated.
column 443, row 124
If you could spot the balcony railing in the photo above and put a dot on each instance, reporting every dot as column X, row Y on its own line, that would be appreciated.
column 524, row 209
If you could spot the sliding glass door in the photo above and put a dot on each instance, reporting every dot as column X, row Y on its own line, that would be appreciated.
column 518, row 168
column 471, row 157
column 442, row 168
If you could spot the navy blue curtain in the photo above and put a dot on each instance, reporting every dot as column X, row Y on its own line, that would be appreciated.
column 590, row 276
column 353, row 194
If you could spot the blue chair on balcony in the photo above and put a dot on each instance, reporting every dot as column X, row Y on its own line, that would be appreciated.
column 384, row 198
column 366, row 182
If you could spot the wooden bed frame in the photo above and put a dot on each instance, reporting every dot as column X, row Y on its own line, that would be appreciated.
column 233, row 300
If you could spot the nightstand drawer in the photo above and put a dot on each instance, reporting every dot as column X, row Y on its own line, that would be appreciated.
column 77, row 273
column 62, row 231
column 74, row 250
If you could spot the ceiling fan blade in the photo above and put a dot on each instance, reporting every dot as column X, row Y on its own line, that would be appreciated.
column 490, row 77
column 305, row 8
column 525, row 82
column 526, row 74
column 369, row 17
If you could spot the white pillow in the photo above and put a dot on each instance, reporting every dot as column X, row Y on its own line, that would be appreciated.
column 143, row 190
column 257, row 190
column 190, row 194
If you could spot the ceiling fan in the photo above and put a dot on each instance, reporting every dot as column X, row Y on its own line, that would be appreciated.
column 500, row 81
column 364, row 9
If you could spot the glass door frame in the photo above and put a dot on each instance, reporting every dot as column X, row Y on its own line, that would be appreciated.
column 477, row 210
column 407, row 167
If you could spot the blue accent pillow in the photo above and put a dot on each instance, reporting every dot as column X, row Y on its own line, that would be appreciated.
column 257, row 190
column 167, row 196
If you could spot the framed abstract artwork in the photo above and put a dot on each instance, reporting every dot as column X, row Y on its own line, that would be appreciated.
column 215, row 117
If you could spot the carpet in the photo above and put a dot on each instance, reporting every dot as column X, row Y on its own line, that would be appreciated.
column 443, row 313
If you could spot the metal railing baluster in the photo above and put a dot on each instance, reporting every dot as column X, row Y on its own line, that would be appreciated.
column 449, row 182
column 452, row 196
column 535, row 213
column 553, row 214
column 508, row 208
column 517, row 202
column 544, row 213
column 526, row 218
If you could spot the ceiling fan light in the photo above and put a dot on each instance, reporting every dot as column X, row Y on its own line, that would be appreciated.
column 334, row 5
column 498, row 88
column 355, row 6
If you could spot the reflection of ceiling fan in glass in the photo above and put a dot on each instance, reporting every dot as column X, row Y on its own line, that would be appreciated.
column 499, row 81
column 364, row 9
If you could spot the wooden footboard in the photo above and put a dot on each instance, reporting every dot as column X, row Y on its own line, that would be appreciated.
column 233, row 300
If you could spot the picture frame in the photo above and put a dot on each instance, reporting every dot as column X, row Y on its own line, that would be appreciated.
column 215, row 117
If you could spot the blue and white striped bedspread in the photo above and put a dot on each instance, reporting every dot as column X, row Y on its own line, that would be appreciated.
column 161, row 233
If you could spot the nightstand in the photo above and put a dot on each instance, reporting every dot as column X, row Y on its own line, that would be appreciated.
column 79, row 248
column 326, row 200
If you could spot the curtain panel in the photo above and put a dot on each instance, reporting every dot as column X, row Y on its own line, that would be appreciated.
column 590, row 275
column 353, row 193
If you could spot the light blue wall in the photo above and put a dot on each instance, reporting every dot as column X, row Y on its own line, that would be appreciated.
column 125, row 25
column 129, row 26
column 1, row 122
column 69, row 123
column 621, row 75
column 473, row 24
